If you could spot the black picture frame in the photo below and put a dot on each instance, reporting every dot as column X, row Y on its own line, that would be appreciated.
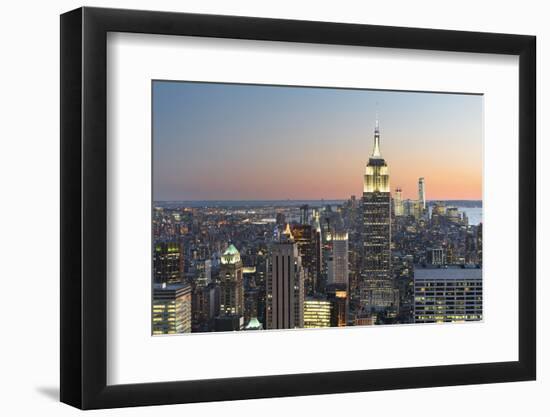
column 84, row 207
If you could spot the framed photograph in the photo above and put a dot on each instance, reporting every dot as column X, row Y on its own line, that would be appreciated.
column 262, row 208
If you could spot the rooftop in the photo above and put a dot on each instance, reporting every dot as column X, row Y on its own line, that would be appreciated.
column 446, row 272
column 157, row 287
column 254, row 324
column 231, row 255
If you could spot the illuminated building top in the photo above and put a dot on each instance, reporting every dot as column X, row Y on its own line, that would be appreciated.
column 231, row 255
column 377, row 176
column 287, row 234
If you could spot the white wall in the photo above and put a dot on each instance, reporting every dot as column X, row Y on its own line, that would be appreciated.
column 29, row 131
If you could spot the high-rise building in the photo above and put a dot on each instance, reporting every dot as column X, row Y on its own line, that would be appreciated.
column 398, row 202
column 439, row 209
column 366, row 319
column 304, row 214
column 422, row 194
column 470, row 247
column 453, row 215
column 450, row 253
column 203, row 272
column 167, row 262
column 318, row 249
column 203, row 305
column 251, row 298
column 436, row 256
column 304, row 236
column 418, row 211
column 316, row 313
column 409, row 207
column 285, row 285
column 339, row 268
column 337, row 296
column 479, row 241
column 228, row 323
column 447, row 294
column 171, row 308
column 231, row 283
column 377, row 288
column 439, row 212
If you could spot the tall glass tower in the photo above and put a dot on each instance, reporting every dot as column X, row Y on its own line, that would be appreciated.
column 377, row 291
column 421, row 194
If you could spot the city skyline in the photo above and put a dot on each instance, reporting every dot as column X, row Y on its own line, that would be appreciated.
column 373, row 260
column 249, row 142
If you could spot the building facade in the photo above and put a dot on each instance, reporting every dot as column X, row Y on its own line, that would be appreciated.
column 449, row 294
column 436, row 256
column 202, row 272
column 422, row 194
column 317, row 313
column 339, row 266
column 285, row 285
column 167, row 262
column 398, row 202
column 337, row 296
column 171, row 308
column 304, row 236
column 318, row 250
column 377, row 289
column 231, row 283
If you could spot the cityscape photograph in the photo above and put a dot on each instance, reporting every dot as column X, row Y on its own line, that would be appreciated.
column 284, row 207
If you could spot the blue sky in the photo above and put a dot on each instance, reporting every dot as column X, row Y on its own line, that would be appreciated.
column 230, row 141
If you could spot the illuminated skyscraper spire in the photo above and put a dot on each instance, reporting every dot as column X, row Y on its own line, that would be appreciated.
column 377, row 176
column 377, row 291
column 376, row 150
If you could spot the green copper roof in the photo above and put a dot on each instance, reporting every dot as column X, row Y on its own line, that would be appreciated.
column 231, row 250
column 231, row 255
column 254, row 324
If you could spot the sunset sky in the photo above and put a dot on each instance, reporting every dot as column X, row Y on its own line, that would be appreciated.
column 247, row 142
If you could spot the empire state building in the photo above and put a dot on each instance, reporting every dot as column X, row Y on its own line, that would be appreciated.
column 377, row 291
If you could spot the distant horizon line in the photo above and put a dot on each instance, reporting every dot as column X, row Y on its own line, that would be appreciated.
column 311, row 199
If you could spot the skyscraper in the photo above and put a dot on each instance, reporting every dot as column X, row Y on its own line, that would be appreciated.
column 204, row 302
column 480, row 244
column 304, row 214
column 231, row 283
column 417, row 210
column 318, row 249
column 377, row 289
column 304, row 236
column 203, row 272
column 398, row 202
column 337, row 296
column 339, row 269
column 171, row 308
column 285, row 285
column 167, row 262
column 317, row 313
column 422, row 194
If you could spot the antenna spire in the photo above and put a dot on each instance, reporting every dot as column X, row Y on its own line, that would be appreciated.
column 376, row 150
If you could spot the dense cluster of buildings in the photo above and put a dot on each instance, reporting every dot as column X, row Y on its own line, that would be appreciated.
column 284, row 265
